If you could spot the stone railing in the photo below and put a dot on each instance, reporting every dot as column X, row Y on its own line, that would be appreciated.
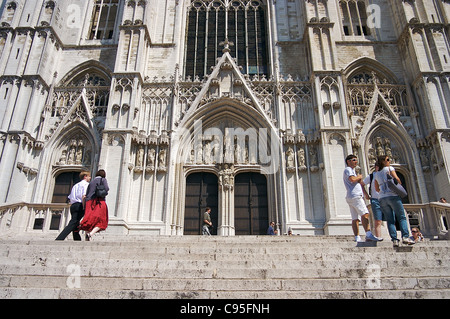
column 25, row 217
column 432, row 218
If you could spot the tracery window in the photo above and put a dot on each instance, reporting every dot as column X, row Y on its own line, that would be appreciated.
column 97, row 88
column 210, row 22
column 354, row 17
column 361, row 90
column 103, row 19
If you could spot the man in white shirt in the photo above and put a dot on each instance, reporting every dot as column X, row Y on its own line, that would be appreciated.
column 77, row 201
column 355, row 199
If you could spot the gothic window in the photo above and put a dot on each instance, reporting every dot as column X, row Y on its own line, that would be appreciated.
column 354, row 17
column 103, row 19
column 210, row 22
column 97, row 88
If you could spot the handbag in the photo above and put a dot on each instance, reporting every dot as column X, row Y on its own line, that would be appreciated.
column 100, row 190
column 395, row 187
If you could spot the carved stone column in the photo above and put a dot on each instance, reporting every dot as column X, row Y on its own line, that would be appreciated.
column 226, row 201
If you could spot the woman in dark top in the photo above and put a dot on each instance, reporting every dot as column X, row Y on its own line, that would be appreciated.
column 96, row 214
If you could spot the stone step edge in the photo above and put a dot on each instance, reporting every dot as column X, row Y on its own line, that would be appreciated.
column 65, row 293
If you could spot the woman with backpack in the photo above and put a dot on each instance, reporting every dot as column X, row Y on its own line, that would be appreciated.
column 96, row 212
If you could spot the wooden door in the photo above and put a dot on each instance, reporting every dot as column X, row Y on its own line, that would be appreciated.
column 202, row 191
column 250, row 204
column 63, row 186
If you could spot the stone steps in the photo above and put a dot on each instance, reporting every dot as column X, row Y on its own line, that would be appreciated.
column 222, row 267
column 66, row 293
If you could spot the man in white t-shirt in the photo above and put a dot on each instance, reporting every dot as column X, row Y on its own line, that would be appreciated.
column 355, row 199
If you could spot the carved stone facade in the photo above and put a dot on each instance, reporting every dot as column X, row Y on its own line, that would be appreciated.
column 155, row 90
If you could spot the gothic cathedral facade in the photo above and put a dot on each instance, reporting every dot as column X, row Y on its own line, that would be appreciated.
column 246, row 106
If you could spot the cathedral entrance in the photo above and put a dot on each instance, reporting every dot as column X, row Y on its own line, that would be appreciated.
column 250, row 204
column 201, row 192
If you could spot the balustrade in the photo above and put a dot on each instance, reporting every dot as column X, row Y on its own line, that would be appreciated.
column 431, row 218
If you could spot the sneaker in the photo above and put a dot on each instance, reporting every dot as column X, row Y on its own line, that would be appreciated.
column 372, row 237
column 395, row 242
column 358, row 239
column 408, row 241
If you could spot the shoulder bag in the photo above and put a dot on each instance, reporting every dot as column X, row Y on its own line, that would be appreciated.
column 395, row 187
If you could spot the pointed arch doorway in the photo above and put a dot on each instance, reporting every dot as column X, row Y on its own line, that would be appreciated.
column 251, row 204
column 202, row 191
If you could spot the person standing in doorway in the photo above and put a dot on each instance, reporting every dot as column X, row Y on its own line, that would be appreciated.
column 207, row 223
column 77, row 200
column 355, row 200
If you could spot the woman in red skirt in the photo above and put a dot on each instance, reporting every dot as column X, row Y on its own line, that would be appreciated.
column 96, row 211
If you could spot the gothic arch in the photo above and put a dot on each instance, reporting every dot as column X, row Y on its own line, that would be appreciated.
column 399, row 148
column 210, row 120
column 214, row 118
column 91, row 67
column 368, row 66
column 384, row 138
column 74, row 145
column 75, row 149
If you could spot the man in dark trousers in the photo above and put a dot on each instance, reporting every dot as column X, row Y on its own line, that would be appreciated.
column 77, row 201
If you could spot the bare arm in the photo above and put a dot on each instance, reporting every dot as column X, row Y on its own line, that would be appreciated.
column 394, row 174
column 366, row 195
column 377, row 186
column 355, row 179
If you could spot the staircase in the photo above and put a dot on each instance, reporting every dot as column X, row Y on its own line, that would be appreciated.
column 190, row 267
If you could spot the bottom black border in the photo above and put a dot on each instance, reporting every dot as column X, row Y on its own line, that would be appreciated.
column 220, row 308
